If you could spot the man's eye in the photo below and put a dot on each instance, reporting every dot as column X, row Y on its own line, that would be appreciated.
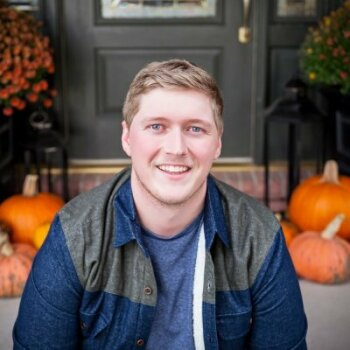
column 195, row 129
column 155, row 127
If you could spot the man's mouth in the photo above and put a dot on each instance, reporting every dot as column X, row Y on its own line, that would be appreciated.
column 174, row 169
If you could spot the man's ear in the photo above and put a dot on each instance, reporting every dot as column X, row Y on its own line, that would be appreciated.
column 218, row 149
column 125, row 138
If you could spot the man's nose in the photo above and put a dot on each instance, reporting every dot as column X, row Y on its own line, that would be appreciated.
column 175, row 142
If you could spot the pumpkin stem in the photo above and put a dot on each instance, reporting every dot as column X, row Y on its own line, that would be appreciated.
column 30, row 185
column 5, row 245
column 333, row 227
column 331, row 172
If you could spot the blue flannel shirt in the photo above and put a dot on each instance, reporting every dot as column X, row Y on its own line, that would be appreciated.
column 92, row 285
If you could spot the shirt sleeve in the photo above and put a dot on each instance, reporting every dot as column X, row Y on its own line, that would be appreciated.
column 279, row 321
column 48, row 312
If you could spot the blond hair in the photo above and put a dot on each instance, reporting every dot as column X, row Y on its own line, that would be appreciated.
column 174, row 73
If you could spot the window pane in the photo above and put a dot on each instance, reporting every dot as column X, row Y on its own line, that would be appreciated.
column 296, row 8
column 157, row 8
column 24, row 5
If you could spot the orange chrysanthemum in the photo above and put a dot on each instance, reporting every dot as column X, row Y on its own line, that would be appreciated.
column 26, row 62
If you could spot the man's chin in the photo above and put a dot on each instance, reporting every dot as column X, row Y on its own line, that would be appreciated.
column 171, row 200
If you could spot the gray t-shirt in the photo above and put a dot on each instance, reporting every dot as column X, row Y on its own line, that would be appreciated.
column 173, row 261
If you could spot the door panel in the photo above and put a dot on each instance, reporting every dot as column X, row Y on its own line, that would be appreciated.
column 123, row 63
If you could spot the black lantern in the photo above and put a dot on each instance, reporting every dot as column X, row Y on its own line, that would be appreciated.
column 294, row 108
column 44, row 145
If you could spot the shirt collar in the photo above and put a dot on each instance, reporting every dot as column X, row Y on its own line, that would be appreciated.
column 128, row 227
column 214, row 217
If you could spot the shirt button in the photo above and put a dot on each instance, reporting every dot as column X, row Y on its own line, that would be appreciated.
column 148, row 290
column 209, row 286
column 140, row 342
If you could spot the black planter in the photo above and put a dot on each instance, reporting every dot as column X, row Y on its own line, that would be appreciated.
column 335, row 99
column 338, row 121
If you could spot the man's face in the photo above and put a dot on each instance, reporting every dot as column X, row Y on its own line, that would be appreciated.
column 172, row 142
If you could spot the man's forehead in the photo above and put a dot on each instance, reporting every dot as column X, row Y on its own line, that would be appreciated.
column 173, row 90
column 164, row 103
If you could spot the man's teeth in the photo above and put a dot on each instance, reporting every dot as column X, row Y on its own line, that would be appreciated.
column 173, row 168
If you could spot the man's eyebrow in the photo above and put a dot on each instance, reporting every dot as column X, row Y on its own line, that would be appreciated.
column 158, row 119
column 199, row 121
column 155, row 118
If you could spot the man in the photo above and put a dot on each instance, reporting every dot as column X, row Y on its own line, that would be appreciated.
column 164, row 256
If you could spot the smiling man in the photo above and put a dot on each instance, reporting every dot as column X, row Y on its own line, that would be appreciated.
column 164, row 256
column 172, row 141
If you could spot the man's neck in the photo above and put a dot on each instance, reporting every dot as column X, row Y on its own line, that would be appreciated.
column 166, row 220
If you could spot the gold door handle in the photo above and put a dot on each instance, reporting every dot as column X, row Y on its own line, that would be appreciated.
column 244, row 33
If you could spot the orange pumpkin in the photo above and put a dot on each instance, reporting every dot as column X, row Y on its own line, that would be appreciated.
column 318, row 199
column 322, row 257
column 288, row 228
column 15, row 264
column 40, row 234
column 25, row 212
column 290, row 231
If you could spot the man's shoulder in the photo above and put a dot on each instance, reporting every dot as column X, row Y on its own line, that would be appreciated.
column 252, row 228
column 87, row 223
column 243, row 207
column 89, row 217
column 94, row 199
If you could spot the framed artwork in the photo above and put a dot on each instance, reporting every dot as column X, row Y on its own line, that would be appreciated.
column 301, row 10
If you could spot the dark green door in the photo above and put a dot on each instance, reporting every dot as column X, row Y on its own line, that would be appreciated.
column 102, row 53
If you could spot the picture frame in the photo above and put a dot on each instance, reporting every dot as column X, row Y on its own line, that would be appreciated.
column 296, row 10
